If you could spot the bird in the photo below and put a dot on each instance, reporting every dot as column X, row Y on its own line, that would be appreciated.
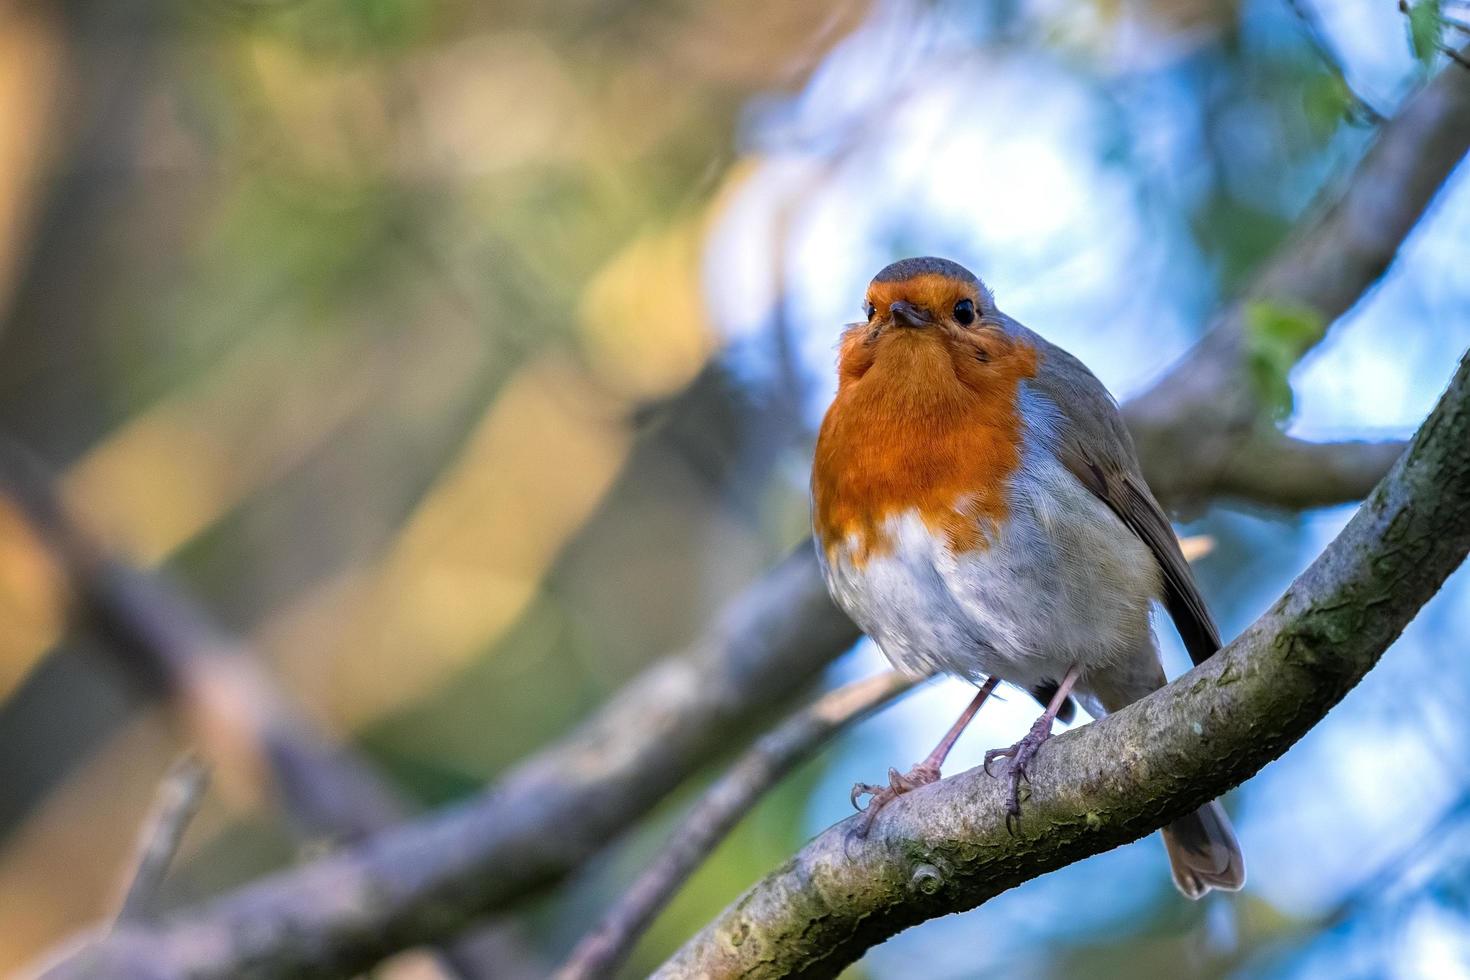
column 979, row 510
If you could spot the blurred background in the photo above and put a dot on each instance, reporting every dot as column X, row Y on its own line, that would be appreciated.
column 464, row 357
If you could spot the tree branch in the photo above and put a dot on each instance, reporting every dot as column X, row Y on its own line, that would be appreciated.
column 243, row 720
column 946, row 848
column 1275, row 469
column 1191, row 423
column 179, row 796
column 431, row 876
column 604, row 948
column 155, row 630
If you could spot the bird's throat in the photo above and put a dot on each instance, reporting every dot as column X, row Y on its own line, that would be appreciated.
column 911, row 434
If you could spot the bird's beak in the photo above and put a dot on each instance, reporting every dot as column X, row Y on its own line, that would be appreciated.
column 908, row 315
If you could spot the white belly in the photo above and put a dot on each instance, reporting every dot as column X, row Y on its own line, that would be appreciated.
column 1063, row 582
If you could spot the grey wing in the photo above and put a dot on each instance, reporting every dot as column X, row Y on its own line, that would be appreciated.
column 1093, row 443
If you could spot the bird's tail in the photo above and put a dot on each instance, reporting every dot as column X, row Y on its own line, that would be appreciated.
column 1204, row 852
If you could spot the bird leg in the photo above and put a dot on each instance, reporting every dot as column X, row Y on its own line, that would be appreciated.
column 922, row 774
column 1024, row 751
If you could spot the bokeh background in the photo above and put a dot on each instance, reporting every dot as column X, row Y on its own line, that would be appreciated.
column 463, row 357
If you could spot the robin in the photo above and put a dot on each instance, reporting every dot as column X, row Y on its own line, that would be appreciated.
column 979, row 510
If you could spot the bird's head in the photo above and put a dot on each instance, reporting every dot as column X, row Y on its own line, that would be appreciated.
column 925, row 292
column 926, row 313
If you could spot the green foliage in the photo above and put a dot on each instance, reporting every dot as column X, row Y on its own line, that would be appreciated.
column 1276, row 335
column 1425, row 22
column 1327, row 101
column 322, row 240
column 351, row 28
column 1237, row 235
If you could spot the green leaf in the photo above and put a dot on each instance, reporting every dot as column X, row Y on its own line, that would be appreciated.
column 1276, row 336
column 1327, row 101
column 1425, row 23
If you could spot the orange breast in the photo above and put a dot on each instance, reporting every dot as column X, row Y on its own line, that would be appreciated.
column 919, row 424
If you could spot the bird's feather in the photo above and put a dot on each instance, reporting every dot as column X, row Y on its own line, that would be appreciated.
column 1092, row 442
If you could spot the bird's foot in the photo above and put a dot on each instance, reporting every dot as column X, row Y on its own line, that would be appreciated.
column 880, row 796
column 1020, row 755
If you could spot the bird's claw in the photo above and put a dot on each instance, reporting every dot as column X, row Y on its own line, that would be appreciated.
column 859, row 789
column 1020, row 755
column 880, row 796
column 992, row 754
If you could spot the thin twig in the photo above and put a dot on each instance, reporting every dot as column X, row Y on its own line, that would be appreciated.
column 178, row 799
column 1325, row 51
column 243, row 720
column 603, row 949
column 157, row 631
column 1457, row 57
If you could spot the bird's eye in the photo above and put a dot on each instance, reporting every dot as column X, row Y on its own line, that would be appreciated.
column 872, row 311
column 964, row 312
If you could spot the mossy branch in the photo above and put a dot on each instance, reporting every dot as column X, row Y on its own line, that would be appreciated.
column 946, row 848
